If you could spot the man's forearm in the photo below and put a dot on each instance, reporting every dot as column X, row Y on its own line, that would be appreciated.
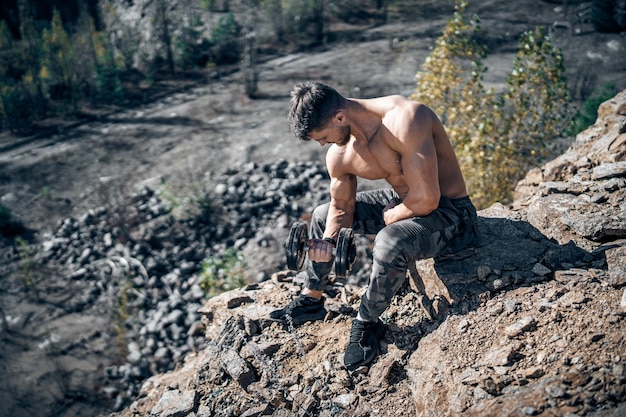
column 402, row 211
column 337, row 219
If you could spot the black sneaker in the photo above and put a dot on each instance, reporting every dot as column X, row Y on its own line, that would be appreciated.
column 300, row 309
column 363, row 345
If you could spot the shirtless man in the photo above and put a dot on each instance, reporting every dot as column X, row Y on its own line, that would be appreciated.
column 425, row 213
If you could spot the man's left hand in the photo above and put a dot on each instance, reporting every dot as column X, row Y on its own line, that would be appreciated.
column 387, row 214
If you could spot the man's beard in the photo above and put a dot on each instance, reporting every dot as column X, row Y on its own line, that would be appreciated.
column 345, row 138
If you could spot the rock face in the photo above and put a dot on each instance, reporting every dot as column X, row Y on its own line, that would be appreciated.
column 530, row 321
column 579, row 196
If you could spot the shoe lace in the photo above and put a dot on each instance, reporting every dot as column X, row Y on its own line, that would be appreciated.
column 299, row 301
column 356, row 331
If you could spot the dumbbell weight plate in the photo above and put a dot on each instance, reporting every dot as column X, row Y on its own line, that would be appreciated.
column 294, row 248
column 345, row 253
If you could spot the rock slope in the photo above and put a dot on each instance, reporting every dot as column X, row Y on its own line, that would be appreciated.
column 119, row 296
column 111, row 295
column 528, row 322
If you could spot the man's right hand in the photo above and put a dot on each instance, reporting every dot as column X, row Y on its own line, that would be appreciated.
column 320, row 250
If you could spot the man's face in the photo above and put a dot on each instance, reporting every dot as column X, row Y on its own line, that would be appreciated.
column 339, row 135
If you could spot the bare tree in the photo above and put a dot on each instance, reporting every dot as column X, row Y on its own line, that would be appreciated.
column 274, row 12
column 32, row 53
column 249, row 69
column 163, row 27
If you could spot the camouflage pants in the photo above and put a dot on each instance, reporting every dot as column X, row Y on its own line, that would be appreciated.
column 450, row 228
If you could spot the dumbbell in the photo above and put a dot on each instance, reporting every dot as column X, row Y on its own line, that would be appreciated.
column 296, row 248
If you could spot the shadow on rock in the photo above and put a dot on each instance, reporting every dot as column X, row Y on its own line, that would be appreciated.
column 510, row 253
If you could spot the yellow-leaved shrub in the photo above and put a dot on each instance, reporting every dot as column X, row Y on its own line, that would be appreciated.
column 497, row 137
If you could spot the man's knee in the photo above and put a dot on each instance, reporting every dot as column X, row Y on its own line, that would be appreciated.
column 318, row 221
column 320, row 213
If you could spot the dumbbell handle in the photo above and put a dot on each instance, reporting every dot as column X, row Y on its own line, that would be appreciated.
column 307, row 247
column 297, row 245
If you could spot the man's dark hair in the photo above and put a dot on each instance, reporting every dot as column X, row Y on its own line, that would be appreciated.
column 312, row 105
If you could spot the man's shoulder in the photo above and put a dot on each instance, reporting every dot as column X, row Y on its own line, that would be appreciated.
column 407, row 118
column 400, row 107
column 336, row 160
column 397, row 102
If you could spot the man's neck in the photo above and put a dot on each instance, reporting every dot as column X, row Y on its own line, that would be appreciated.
column 364, row 123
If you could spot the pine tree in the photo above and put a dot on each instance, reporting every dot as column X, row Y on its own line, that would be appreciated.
column 125, row 38
column 225, row 40
column 59, row 64
column 108, row 85
column 31, row 49
column 537, row 101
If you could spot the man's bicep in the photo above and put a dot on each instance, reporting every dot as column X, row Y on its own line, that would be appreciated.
column 419, row 165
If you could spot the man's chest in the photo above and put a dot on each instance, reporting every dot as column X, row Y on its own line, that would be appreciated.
column 375, row 161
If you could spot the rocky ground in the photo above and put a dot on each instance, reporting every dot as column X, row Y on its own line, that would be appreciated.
column 106, row 294
column 528, row 322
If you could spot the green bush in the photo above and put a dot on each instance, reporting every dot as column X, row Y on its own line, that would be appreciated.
column 16, row 107
column 225, row 40
column 5, row 215
column 608, row 15
column 582, row 120
column 185, row 196
column 27, row 263
column 11, row 227
column 223, row 273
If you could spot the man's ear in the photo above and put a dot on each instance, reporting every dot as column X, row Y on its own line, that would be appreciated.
column 340, row 117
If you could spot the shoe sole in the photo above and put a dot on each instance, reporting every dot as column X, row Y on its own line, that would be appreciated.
column 303, row 318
